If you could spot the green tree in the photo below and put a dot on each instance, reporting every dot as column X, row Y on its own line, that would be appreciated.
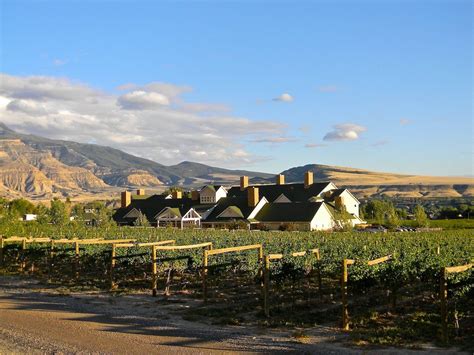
column 20, row 206
column 58, row 212
column 141, row 221
column 420, row 216
column 392, row 220
column 42, row 213
column 402, row 213
column 104, row 216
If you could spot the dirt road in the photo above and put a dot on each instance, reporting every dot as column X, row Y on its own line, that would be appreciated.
column 34, row 319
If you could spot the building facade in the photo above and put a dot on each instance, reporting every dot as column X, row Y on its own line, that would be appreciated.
column 305, row 206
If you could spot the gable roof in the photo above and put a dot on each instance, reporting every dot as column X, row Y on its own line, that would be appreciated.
column 294, row 192
column 240, row 203
column 288, row 212
column 151, row 206
column 212, row 187
column 338, row 192
column 237, row 213
column 174, row 210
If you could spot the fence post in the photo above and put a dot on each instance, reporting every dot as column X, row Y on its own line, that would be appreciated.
column 23, row 254
column 443, row 295
column 76, row 259
column 266, row 282
column 112, row 266
column 154, row 272
column 204, row 274
column 320, row 283
column 345, row 312
column 2, row 245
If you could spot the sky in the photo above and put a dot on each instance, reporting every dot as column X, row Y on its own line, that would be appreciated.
column 260, row 85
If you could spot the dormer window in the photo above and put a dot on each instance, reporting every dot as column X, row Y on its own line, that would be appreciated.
column 211, row 194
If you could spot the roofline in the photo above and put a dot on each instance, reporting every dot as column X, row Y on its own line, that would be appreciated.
column 350, row 193
column 290, row 183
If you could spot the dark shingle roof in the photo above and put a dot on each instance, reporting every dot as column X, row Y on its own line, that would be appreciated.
column 295, row 192
column 151, row 206
column 238, row 202
column 212, row 187
column 288, row 212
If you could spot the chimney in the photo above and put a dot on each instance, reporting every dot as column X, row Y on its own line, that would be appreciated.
column 244, row 182
column 339, row 202
column 308, row 179
column 253, row 196
column 280, row 179
column 177, row 194
column 195, row 195
column 126, row 199
column 141, row 192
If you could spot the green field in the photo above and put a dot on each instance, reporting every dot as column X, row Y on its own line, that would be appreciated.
column 395, row 302
column 444, row 223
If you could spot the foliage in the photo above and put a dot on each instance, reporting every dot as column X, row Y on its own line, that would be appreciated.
column 141, row 221
column 237, row 224
column 58, row 212
column 382, row 212
column 415, row 260
column 288, row 227
column 420, row 216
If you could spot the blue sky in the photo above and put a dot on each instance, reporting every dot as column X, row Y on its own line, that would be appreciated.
column 381, row 85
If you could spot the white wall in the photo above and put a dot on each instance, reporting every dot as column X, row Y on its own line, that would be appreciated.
column 221, row 193
column 352, row 205
column 322, row 220
column 207, row 195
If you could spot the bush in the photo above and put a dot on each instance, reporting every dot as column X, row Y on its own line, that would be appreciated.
column 288, row 227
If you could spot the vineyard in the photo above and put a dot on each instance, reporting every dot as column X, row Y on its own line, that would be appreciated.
column 388, row 288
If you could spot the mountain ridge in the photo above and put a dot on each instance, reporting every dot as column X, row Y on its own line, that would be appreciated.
column 41, row 168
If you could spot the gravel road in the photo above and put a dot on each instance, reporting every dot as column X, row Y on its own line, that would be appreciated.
column 35, row 319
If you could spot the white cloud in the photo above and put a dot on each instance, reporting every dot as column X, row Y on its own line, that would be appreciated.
column 26, row 106
column 142, row 100
column 274, row 140
column 285, row 97
column 162, row 126
column 204, row 107
column 405, row 121
column 345, row 132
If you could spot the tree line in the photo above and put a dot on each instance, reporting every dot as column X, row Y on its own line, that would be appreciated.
column 58, row 213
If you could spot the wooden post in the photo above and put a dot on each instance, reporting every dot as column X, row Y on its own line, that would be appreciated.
column 204, row 274
column 320, row 283
column 443, row 298
column 112, row 266
column 261, row 266
column 2, row 245
column 154, row 272
column 344, row 280
column 23, row 254
column 52, row 249
column 266, row 282
column 76, row 259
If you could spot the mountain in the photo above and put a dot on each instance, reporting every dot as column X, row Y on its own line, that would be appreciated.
column 38, row 167
column 364, row 183
column 41, row 168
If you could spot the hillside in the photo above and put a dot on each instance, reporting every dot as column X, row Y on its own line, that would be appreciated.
column 364, row 183
column 40, row 168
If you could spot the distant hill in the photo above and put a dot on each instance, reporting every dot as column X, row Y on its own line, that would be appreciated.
column 38, row 167
column 364, row 183
column 41, row 168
